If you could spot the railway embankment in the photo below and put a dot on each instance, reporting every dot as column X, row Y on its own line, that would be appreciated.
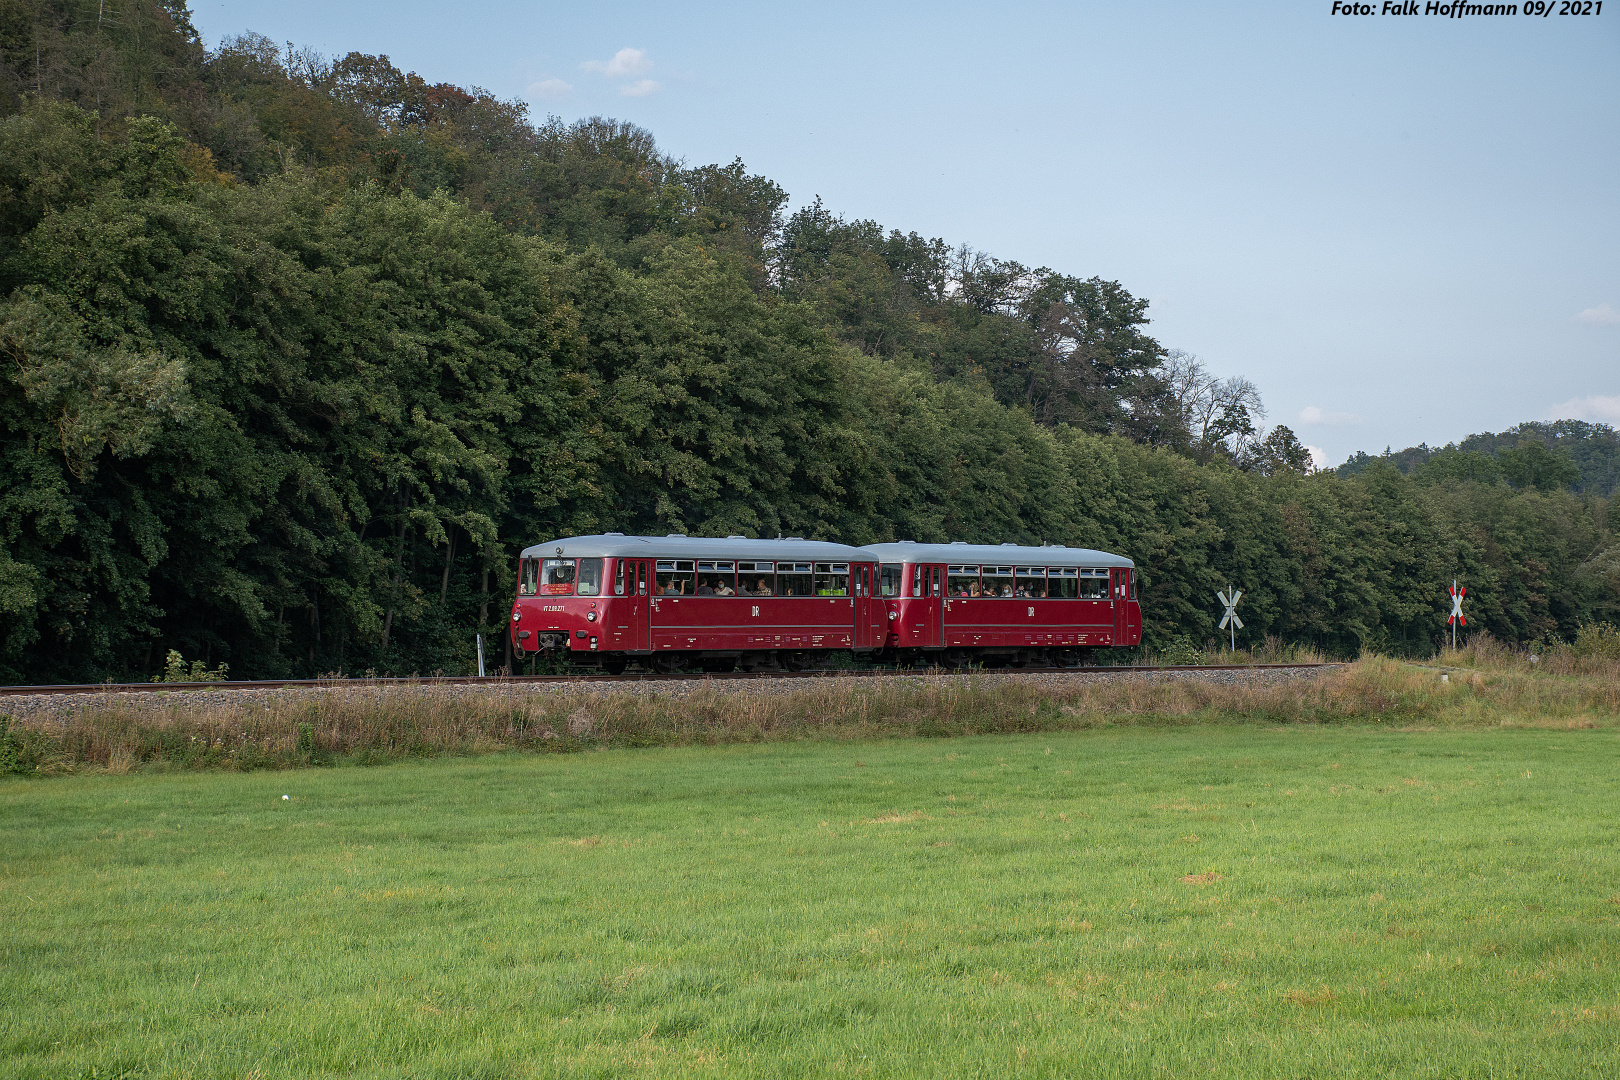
column 344, row 723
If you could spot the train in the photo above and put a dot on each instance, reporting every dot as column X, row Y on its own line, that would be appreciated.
column 677, row 602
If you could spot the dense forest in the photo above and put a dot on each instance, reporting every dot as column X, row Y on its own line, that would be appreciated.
column 1564, row 454
column 301, row 351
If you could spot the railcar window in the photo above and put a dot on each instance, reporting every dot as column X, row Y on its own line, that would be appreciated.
column 962, row 581
column 832, row 579
column 998, row 581
column 1062, row 582
column 1093, row 584
column 1133, row 587
column 618, row 578
column 793, row 579
column 675, row 577
column 557, row 577
column 590, row 577
column 716, row 577
column 529, row 578
column 755, row 578
column 889, row 581
column 1032, row 581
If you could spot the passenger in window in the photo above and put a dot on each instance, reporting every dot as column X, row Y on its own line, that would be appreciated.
column 762, row 587
column 724, row 589
column 704, row 588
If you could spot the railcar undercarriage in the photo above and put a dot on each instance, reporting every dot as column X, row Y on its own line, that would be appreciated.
column 720, row 661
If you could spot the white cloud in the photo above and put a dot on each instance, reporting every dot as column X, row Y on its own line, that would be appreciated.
column 625, row 62
column 1602, row 315
column 1319, row 458
column 1310, row 414
column 1595, row 408
column 549, row 89
column 639, row 88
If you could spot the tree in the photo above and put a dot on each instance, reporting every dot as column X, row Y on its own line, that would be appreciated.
column 1532, row 465
column 1278, row 452
column 1218, row 415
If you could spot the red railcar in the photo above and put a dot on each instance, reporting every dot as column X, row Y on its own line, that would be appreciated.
column 668, row 601
column 960, row 602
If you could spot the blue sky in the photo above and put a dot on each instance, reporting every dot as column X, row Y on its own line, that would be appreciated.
column 1401, row 228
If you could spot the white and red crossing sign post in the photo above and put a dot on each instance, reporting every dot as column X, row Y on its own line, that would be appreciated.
column 1456, row 617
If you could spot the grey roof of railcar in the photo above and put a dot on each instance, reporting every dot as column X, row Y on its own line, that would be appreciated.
column 995, row 554
column 617, row 545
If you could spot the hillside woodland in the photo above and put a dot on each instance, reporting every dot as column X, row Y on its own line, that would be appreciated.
column 299, row 352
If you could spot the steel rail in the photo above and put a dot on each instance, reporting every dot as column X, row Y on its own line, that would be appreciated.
column 522, row 680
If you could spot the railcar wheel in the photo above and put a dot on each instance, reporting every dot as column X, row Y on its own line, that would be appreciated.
column 615, row 666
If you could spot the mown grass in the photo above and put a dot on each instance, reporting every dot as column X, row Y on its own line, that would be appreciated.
column 1302, row 901
column 368, row 724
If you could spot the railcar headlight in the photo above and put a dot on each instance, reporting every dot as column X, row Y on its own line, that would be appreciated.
column 590, row 617
column 516, row 615
column 893, row 615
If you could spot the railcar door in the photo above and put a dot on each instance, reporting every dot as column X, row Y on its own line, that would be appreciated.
column 871, row 620
column 639, row 634
column 925, row 613
column 1133, row 611
column 1120, row 594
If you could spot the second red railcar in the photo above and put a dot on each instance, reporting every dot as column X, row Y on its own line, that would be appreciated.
column 1017, row 604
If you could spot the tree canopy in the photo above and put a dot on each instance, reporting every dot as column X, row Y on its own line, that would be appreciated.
column 301, row 352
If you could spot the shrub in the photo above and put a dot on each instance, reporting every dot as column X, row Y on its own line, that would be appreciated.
column 175, row 669
column 23, row 751
column 1599, row 640
column 1182, row 651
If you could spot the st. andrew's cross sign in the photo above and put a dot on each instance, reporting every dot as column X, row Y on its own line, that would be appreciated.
column 1230, row 621
column 1456, row 617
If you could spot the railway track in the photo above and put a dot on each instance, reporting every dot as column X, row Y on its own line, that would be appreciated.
column 639, row 677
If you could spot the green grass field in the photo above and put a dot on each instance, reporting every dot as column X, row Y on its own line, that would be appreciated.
column 1252, row 902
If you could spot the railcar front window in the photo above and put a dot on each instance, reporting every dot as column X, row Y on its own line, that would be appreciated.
column 557, row 577
column 793, row 579
column 1032, row 581
column 675, row 577
column 1062, row 582
column 590, row 577
column 832, row 579
column 529, row 578
column 962, row 581
column 618, row 578
column 889, row 580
